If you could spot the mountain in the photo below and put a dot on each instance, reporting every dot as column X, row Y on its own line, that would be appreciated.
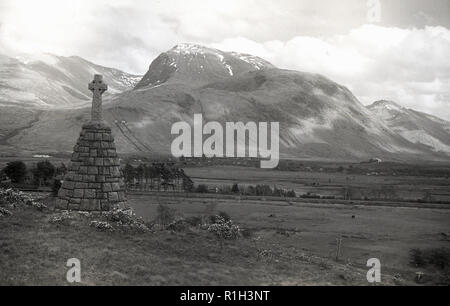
column 319, row 119
column 416, row 127
column 196, row 65
column 49, row 81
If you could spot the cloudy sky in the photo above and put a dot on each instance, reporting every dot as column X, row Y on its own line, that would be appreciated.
column 388, row 49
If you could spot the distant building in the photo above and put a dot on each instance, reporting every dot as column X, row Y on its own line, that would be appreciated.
column 375, row 161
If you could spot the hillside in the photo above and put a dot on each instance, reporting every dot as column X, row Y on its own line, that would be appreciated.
column 49, row 81
column 417, row 127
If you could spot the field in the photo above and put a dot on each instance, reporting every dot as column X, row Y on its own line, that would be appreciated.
column 386, row 233
column 286, row 242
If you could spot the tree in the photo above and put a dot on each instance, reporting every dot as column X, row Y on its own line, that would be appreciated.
column 129, row 173
column 44, row 171
column 16, row 171
column 235, row 188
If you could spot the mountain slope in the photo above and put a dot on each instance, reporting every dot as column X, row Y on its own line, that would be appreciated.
column 414, row 126
column 49, row 81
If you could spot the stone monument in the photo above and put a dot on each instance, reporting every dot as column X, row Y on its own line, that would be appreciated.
column 94, row 181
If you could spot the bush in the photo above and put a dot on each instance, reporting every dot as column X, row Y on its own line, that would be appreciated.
column 165, row 215
column 214, row 218
column 14, row 198
column 291, row 194
column 438, row 257
column 16, row 171
column 126, row 219
column 202, row 188
column 4, row 212
column 44, row 171
column 102, row 226
column 62, row 218
column 224, row 230
column 178, row 225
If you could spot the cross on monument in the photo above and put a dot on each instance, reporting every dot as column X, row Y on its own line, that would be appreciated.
column 98, row 88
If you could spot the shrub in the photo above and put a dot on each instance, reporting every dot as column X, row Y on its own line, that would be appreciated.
column 165, row 215
column 224, row 230
column 44, row 171
column 214, row 218
column 291, row 194
column 4, row 212
column 178, row 225
column 126, row 219
column 16, row 171
column 202, row 188
column 102, row 226
column 438, row 257
column 62, row 218
column 14, row 198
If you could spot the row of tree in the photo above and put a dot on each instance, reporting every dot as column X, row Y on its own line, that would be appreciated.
column 250, row 190
column 157, row 176
column 41, row 173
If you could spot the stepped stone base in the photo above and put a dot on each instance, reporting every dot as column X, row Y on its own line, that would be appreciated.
column 94, row 181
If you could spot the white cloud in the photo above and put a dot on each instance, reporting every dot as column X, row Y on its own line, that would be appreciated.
column 407, row 65
column 410, row 66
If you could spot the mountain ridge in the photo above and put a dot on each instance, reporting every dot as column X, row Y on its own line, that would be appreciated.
column 319, row 118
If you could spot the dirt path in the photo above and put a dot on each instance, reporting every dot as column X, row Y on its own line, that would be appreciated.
column 4, row 140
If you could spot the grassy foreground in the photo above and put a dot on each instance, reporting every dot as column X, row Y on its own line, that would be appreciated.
column 34, row 251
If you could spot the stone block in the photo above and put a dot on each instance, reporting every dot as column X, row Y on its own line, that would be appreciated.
column 78, row 193
column 83, row 170
column 98, row 136
column 101, row 195
column 68, row 185
column 115, row 186
column 62, row 193
column 88, row 161
column 85, row 205
column 107, row 187
column 75, row 201
column 113, row 196
column 93, row 153
column 105, row 205
column 93, row 170
column 61, row 204
column 95, row 185
column 98, row 161
column 81, row 185
column 73, row 207
column 89, row 193
column 89, row 136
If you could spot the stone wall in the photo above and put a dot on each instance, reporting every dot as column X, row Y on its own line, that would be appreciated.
column 94, row 181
